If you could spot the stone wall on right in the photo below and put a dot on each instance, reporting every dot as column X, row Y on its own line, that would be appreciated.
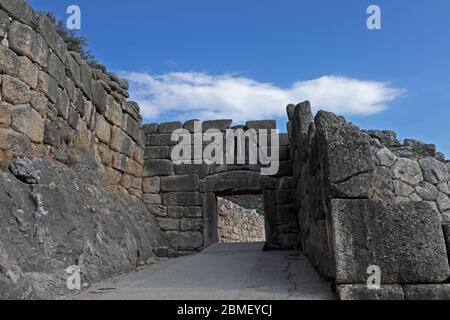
column 367, row 203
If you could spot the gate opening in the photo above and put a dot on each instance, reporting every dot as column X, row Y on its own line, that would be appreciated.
column 241, row 219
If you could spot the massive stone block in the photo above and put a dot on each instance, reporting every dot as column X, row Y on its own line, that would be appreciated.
column 15, row 91
column 9, row 62
column 188, row 199
column 28, row 72
column 185, row 240
column 57, row 70
column 19, row 9
column 346, row 150
column 405, row 240
column 180, row 183
column 154, row 168
column 24, row 41
column 237, row 181
column 28, row 121
column 48, row 85
column 361, row 292
column 427, row 292
column 48, row 31
column 4, row 23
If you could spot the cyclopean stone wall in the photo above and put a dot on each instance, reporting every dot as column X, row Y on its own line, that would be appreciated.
column 365, row 200
column 54, row 104
column 184, row 197
column 241, row 219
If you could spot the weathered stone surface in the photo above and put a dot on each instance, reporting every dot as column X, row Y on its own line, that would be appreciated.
column 73, row 69
column 262, row 124
column 28, row 72
column 121, row 142
column 15, row 142
column 63, row 104
column 24, row 41
column 180, row 183
column 169, row 127
column 405, row 240
column 201, row 170
column 103, row 130
column 51, row 214
column 19, row 9
column 86, row 79
column 98, row 97
column 347, row 152
column 302, row 119
column 113, row 111
column 361, row 292
column 182, row 199
column 443, row 202
column 434, row 171
column 402, row 189
column 5, row 115
column 131, row 126
column 57, row 70
column 158, row 210
column 24, row 170
column 74, row 119
column 120, row 162
column 408, row 171
column 152, row 199
column 169, row 224
column 221, row 125
column 191, row 225
column 186, row 212
column 28, row 121
column 4, row 23
column 48, row 85
column 160, row 140
column 386, row 157
column 386, row 137
column 15, row 91
column 427, row 191
column 158, row 168
column 185, row 240
column 9, row 62
column 427, row 292
column 157, row 152
column 48, row 31
column 237, row 181
column 151, row 185
column 150, row 128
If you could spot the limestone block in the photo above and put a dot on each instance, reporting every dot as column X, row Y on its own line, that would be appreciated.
column 286, row 213
column 262, row 124
column 408, row 171
column 79, row 103
column 86, row 79
column 221, row 125
column 158, row 210
column 168, row 224
column 98, row 97
column 191, row 225
column 152, row 199
column 182, row 199
column 113, row 111
column 121, row 142
column 4, row 24
column 9, row 62
column 24, row 41
column 180, row 183
column 361, row 292
column 134, row 168
column 157, row 152
column 386, row 157
column 237, row 181
column 103, row 130
column 19, row 9
column 28, row 121
column 131, row 126
column 434, row 171
column 175, row 212
column 427, row 191
column 120, row 162
column 158, row 168
column 48, row 85
column 185, row 240
column 427, row 292
column 301, row 121
column 63, row 104
column 73, row 69
column 169, row 127
column 150, row 128
column 74, row 119
column 405, row 240
column 15, row 91
column 48, row 31
column 57, row 70
column 5, row 115
column 346, row 151
column 15, row 142
column 202, row 170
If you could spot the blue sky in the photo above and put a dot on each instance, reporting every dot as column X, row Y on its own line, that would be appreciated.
column 226, row 51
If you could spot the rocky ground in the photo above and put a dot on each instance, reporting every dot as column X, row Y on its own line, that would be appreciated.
column 55, row 216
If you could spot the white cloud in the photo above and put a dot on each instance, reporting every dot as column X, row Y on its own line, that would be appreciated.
column 191, row 95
